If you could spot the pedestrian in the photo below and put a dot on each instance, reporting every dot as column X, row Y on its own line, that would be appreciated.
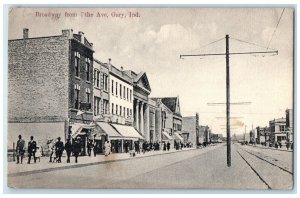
column 68, row 148
column 20, row 149
column 165, row 146
column 31, row 150
column 95, row 148
column 106, row 148
column 90, row 147
column 144, row 147
column 76, row 149
column 168, row 146
column 51, row 148
column 38, row 153
column 59, row 148
column 280, row 144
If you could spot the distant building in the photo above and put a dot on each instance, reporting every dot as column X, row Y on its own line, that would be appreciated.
column 290, row 124
column 262, row 135
column 168, row 119
column 278, row 131
column 191, row 129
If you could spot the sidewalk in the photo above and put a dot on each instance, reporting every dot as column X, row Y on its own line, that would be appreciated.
column 283, row 148
column 44, row 165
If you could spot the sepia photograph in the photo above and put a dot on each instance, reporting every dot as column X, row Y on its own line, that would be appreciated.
column 150, row 98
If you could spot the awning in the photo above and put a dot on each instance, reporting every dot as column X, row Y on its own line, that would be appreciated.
column 167, row 135
column 106, row 128
column 127, row 131
column 178, row 137
column 77, row 128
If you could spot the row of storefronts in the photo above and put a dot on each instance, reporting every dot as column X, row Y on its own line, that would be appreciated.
column 84, row 98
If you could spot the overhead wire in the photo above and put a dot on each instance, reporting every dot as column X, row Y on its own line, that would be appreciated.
column 276, row 28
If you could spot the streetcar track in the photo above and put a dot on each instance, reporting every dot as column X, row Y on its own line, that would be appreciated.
column 260, row 177
column 269, row 162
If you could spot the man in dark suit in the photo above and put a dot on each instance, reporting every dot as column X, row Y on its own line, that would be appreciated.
column 68, row 147
column 59, row 148
column 20, row 149
column 76, row 149
column 31, row 149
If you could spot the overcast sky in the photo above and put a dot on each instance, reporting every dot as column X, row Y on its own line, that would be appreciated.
column 154, row 41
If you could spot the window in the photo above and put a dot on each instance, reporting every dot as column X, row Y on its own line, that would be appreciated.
column 98, row 78
column 124, row 110
column 127, row 93
column 88, row 97
column 130, row 95
column 124, row 90
column 282, row 128
column 112, row 87
column 96, row 106
column 130, row 112
column 120, row 91
column 112, row 108
column 76, row 98
column 94, row 80
column 117, row 109
column 105, row 106
column 127, row 112
column 87, row 68
column 77, row 65
column 120, row 110
column 105, row 80
column 116, row 88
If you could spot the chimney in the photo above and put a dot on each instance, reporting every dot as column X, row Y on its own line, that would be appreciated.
column 25, row 33
column 109, row 61
column 67, row 33
column 121, row 68
column 81, row 36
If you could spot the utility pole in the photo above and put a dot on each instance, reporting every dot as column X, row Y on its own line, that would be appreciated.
column 227, row 53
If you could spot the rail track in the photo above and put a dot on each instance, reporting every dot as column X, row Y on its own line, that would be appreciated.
column 273, row 172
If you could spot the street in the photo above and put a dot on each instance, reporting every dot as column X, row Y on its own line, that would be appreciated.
column 196, row 169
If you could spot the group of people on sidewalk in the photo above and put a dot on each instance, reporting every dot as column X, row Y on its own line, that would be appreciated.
column 55, row 147
column 33, row 150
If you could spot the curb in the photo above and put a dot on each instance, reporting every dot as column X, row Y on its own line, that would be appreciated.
column 271, row 148
column 87, row 164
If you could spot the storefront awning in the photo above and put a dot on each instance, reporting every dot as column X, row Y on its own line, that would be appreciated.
column 178, row 137
column 127, row 131
column 104, row 127
column 77, row 128
column 167, row 135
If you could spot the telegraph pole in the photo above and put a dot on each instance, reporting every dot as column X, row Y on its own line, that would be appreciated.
column 227, row 53
column 228, row 103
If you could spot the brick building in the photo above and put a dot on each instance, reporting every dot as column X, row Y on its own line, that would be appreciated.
column 50, row 86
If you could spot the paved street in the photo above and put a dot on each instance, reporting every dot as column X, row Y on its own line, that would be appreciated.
column 202, row 169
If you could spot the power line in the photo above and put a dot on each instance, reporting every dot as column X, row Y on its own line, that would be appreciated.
column 209, row 44
column 250, row 43
column 276, row 28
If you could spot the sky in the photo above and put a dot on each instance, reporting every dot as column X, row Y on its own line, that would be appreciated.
column 154, row 41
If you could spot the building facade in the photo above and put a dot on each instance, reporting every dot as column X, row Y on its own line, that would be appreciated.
column 191, row 130
column 278, row 132
column 50, row 81
column 290, row 124
column 141, row 113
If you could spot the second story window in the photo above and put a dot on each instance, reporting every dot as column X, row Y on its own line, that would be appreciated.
column 77, row 65
column 112, row 87
column 127, row 93
column 112, row 108
column 88, row 95
column 120, row 110
column 117, row 109
column 76, row 96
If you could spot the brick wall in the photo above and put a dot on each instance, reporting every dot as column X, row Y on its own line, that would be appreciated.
column 38, row 79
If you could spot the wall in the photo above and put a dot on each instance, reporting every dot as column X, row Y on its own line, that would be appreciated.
column 38, row 79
